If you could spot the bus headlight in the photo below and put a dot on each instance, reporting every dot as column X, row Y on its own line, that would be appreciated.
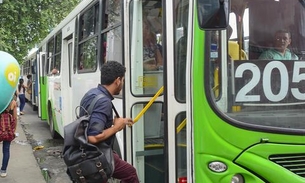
column 217, row 166
column 237, row 178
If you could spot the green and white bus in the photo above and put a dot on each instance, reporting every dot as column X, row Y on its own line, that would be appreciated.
column 208, row 108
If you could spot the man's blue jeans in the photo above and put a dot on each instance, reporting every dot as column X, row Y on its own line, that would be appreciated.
column 6, row 154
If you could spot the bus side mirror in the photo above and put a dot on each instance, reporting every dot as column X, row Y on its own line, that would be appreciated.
column 213, row 14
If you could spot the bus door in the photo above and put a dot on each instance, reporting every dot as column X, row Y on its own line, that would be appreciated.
column 35, row 83
column 66, row 73
column 176, row 65
column 66, row 79
column 42, row 97
column 145, row 141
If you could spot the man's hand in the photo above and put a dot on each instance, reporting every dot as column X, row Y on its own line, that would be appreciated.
column 120, row 123
column 129, row 122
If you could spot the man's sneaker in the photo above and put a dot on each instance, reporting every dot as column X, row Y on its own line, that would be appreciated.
column 3, row 173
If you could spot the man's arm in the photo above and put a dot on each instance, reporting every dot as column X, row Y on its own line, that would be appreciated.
column 119, row 124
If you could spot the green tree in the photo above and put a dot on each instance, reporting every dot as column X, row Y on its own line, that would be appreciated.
column 24, row 23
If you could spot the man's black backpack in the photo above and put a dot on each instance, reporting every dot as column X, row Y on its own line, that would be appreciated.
column 86, row 163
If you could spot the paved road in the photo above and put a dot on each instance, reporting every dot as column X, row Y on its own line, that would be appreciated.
column 49, row 157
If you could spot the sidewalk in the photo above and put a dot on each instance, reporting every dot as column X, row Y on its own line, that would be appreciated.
column 22, row 167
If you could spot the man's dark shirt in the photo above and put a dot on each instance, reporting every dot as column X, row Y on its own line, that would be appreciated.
column 102, row 115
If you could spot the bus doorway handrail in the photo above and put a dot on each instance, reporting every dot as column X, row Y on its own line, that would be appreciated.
column 181, row 126
column 151, row 101
column 148, row 105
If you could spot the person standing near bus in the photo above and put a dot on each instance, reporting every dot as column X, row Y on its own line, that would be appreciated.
column 11, row 109
column 29, row 85
column 21, row 92
column 282, row 40
column 102, row 126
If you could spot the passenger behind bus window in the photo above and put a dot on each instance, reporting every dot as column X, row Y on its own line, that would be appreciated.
column 152, row 58
column 55, row 71
column 282, row 40
column 29, row 85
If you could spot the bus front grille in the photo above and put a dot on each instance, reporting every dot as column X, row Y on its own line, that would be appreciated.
column 292, row 162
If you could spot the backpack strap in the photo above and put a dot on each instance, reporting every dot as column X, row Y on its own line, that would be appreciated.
column 115, row 111
column 94, row 102
column 96, row 98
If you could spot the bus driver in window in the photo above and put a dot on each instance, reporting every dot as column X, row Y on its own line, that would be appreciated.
column 282, row 40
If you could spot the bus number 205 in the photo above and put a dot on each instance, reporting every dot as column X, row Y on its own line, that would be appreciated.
column 270, row 81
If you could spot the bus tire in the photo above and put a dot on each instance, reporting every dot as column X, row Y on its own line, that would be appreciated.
column 53, row 132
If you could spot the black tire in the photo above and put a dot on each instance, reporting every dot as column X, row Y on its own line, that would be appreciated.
column 53, row 132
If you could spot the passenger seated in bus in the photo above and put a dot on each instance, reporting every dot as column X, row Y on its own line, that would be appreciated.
column 282, row 40
column 152, row 58
column 55, row 71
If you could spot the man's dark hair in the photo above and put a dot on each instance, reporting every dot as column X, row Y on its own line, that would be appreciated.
column 284, row 31
column 20, row 84
column 110, row 71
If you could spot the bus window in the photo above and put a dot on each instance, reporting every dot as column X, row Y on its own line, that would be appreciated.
column 88, row 23
column 87, row 61
column 56, row 67
column 146, row 48
column 233, row 25
column 88, row 41
column 113, row 13
column 180, row 48
column 246, row 31
column 112, row 48
column 235, row 43
column 113, row 45
column 181, row 26
column 146, row 72
column 50, row 53
column 57, row 55
column 181, row 145
column 265, row 89
column 149, row 147
column 214, row 60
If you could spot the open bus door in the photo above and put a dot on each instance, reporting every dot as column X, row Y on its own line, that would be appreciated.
column 35, row 82
column 42, row 89
column 145, row 141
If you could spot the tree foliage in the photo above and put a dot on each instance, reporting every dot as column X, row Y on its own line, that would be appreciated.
column 24, row 23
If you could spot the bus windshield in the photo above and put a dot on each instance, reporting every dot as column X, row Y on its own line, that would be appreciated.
column 257, row 65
